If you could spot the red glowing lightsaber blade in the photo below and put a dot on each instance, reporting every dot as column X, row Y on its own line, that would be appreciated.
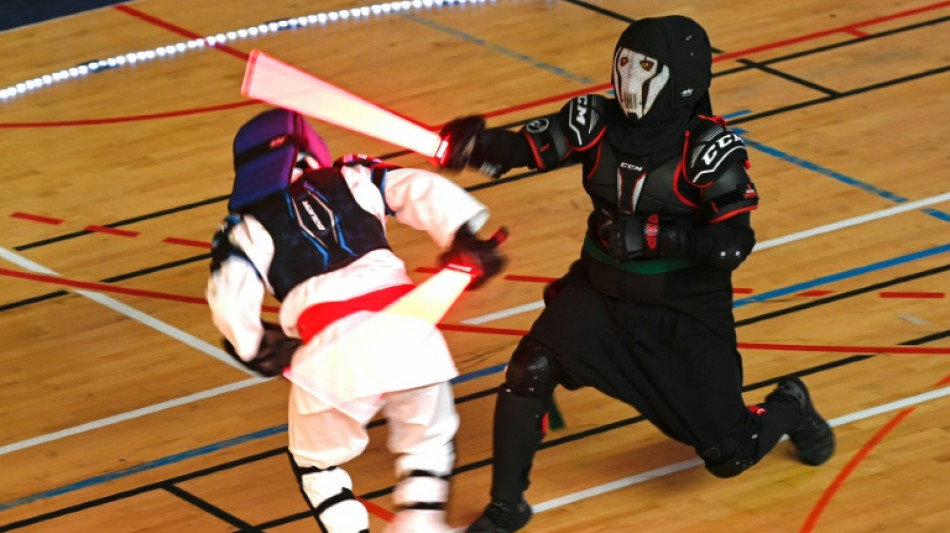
column 374, row 345
column 277, row 83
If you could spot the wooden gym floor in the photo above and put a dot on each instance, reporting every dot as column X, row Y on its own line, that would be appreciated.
column 119, row 413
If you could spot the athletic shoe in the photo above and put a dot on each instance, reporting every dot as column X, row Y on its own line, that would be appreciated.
column 812, row 437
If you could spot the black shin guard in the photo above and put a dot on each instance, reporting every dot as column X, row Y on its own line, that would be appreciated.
column 517, row 436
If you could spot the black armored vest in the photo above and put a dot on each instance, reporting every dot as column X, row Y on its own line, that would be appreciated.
column 317, row 227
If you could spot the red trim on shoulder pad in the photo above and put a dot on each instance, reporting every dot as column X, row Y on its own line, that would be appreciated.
column 593, row 169
column 715, row 118
column 587, row 146
column 731, row 214
column 534, row 150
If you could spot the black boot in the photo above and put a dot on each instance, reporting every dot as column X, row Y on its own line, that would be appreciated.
column 501, row 517
column 812, row 437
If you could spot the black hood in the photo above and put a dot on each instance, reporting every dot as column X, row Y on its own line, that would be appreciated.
column 679, row 42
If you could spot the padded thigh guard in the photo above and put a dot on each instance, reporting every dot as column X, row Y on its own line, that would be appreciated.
column 532, row 371
column 575, row 128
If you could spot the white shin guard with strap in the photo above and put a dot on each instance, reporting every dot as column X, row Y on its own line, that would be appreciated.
column 329, row 494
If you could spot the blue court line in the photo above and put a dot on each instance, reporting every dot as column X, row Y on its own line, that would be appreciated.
column 204, row 450
column 848, row 180
column 854, row 272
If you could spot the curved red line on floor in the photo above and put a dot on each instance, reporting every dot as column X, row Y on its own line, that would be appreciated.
column 839, row 480
column 129, row 118
column 498, row 112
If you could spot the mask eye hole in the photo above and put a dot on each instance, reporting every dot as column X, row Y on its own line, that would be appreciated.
column 624, row 61
column 647, row 65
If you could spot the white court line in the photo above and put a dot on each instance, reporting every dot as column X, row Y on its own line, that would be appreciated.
column 180, row 335
column 877, row 215
column 130, row 415
column 636, row 479
column 151, row 322
column 771, row 243
column 134, row 314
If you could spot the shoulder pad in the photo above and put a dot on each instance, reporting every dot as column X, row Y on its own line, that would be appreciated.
column 712, row 149
column 584, row 120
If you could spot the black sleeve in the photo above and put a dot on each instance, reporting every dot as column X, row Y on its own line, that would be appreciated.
column 723, row 245
column 502, row 148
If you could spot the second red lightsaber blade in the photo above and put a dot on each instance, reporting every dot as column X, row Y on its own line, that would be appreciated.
column 277, row 83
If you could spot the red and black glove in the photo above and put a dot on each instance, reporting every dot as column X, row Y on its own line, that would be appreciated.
column 461, row 138
column 273, row 355
column 480, row 255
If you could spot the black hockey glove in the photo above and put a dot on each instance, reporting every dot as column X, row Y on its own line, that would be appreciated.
column 632, row 237
column 273, row 355
column 481, row 256
column 461, row 137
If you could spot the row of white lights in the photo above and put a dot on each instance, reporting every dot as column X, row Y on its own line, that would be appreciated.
column 221, row 38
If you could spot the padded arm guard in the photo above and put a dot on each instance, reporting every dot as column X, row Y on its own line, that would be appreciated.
column 575, row 128
column 724, row 245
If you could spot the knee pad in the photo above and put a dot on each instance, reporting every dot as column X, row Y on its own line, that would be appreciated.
column 329, row 494
column 532, row 371
column 730, row 457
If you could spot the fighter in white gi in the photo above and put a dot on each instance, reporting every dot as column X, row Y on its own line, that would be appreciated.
column 311, row 232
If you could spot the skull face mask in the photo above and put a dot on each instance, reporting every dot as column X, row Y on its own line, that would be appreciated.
column 638, row 80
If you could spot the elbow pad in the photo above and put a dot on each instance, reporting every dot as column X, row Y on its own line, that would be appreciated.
column 723, row 246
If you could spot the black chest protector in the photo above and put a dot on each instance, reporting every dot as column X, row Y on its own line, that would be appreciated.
column 628, row 184
column 317, row 227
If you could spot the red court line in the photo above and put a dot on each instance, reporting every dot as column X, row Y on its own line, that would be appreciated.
column 128, row 118
column 839, row 480
column 899, row 294
column 37, row 218
column 915, row 350
column 101, row 287
column 187, row 242
column 105, row 287
column 815, row 292
column 113, row 231
column 848, row 28
column 177, row 29
column 532, row 279
column 482, row 329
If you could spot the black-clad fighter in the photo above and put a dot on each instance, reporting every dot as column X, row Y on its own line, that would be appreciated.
column 645, row 314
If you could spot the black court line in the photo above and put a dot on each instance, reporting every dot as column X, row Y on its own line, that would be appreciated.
column 207, row 507
column 838, row 363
